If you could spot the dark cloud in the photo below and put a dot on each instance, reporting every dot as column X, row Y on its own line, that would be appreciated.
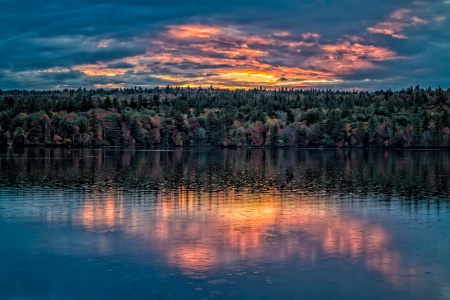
column 47, row 44
column 120, row 65
column 60, row 76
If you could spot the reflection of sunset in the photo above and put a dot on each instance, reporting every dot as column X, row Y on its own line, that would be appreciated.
column 103, row 213
column 197, row 232
column 193, row 259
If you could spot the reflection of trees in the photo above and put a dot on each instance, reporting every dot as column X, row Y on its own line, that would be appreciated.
column 410, row 173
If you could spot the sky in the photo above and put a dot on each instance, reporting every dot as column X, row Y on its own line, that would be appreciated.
column 342, row 44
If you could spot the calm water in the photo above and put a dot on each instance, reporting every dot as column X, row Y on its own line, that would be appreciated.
column 224, row 224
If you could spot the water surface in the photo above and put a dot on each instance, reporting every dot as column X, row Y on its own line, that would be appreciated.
column 224, row 224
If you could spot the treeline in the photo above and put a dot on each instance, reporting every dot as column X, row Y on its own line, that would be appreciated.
column 173, row 116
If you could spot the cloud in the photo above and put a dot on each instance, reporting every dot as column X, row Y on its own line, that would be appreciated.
column 346, row 58
column 193, row 31
column 388, row 28
column 232, row 43
column 396, row 23
column 104, row 43
column 400, row 14
column 231, row 56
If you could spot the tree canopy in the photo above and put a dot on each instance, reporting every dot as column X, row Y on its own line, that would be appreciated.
column 175, row 116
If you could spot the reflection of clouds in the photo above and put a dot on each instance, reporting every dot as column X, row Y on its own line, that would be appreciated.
column 193, row 259
column 198, row 231
column 103, row 213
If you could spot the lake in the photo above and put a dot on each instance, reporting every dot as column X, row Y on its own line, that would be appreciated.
column 224, row 224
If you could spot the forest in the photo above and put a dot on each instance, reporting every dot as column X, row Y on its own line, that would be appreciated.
column 189, row 117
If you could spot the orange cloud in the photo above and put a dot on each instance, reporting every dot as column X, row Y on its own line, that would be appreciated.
column 192, row 31
column 418, row 21
column 99, row 69
column 310, row 35
column 389, row 28
column 396, row 23
column 109, row 86
column 230, row 57
column 282, row 33
column 345, row 58
column 400, row 14
column 357, row 51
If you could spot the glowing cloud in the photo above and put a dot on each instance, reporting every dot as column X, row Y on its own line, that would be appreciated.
column 400, row 14
column 192, row 31
column 388, row 28
column 99, row 70
column 104, row 43
column 232, row 57
column 345, row 58
column 54, row 70
column 197, row 44
column 396, row 23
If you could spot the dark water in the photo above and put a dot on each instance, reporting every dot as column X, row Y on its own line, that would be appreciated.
column 224, row 224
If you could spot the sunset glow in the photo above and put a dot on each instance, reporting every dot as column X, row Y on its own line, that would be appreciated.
column 238, row 65
column 307, row 46
column 240, row 226
column 230, row 57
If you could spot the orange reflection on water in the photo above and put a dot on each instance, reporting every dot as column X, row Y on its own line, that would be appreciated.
column 196, row 231
column 194, row 259
column 102, row 210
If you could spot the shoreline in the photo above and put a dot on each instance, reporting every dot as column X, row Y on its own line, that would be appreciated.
column 222, row 147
